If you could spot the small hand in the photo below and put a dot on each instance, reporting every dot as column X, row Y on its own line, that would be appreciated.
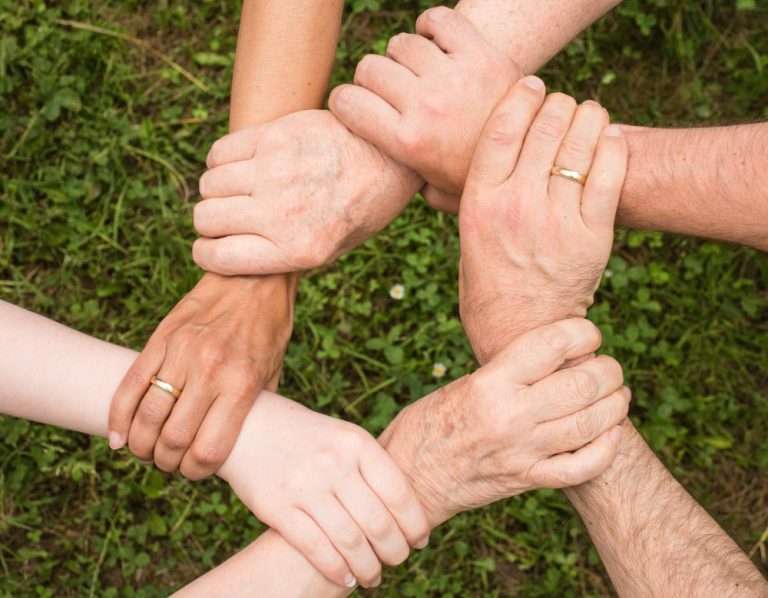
column 328, row 487
column 426, row 102
column 534, row 245
column 514, row 425
column 220, row 345
column 294, row 194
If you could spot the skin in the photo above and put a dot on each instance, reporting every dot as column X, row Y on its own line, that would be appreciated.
column 244, row 322
column 427, row 101
column 363, row 188
column 55, row 375
column 651, row 534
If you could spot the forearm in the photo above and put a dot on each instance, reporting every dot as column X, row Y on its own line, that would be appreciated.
column 284, row 58
column 653, row 537
column 707, row 182
column 531, row 33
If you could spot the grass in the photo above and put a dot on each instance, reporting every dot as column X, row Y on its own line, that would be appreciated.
column 108, row 111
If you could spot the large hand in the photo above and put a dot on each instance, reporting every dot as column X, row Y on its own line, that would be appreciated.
column 328, row 487
column 294, row 194
column 534, row 245
column 426, row 102
column 515, row 424
column 221, row 344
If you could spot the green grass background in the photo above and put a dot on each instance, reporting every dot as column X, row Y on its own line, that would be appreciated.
column 102, row 139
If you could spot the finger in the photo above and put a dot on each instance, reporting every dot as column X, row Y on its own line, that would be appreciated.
column 569, row 391
column 440, row 200
column 537, row 353
column 232, row 178
column 131, row 390
column 575, row 431
column 499, row 146
column 389, row 483
column 180, row 429
column 577, row 152
column 301, row 532
column 571, row 469
column 545, row 138
column 216, row 436
column 347, row 537
column 155, row 407
column 416, row 53
column 235, row 215
column 389, row 80
column 376, row 521
column 234, row 147
column 603, row 188
column 241, row 255
column 366, row 115
column 451, row 31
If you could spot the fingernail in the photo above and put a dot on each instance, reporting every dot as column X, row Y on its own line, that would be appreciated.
column 376, row 582
column 613, row 131
column 421, row 543
column 534, row 82
column 616, row 434
column 350, row 580
column 115, row 441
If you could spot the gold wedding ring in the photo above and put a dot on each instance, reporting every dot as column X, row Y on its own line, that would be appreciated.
column 167, row 387
column 569, row 174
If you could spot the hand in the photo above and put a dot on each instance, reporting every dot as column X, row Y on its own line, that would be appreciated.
column 221, row 344
column 294, row 194
column 426, row 102
column 534, row 245
column 514, row 425
column 328, row 487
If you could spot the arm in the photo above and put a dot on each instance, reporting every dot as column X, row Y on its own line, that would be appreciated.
column 363, row 189
column 704, row 182
column 653, row 537
column 283, row 63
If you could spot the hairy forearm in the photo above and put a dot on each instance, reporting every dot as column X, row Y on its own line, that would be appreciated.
column 707, row 182
column 531, row 33
column 653, row 537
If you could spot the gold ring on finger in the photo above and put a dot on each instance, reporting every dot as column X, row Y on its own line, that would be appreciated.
column 569, row 174
column 166, row 386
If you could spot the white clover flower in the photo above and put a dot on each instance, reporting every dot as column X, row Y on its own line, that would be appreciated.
column 439, row 370
column 608, row 273
column 397, row 292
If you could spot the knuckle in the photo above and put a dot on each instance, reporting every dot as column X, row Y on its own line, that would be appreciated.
column 440, row 14
column 177, row 437
column 587, row 422
column 153, row 410
column 549, row 126
column 208, row 454
column 380, row 526
column 576, row 145
column 211, row 357
column 584, row 384
column 435, row 104
column 410, row 140
column 350, row 538
column 555, row 338
column 400, row 494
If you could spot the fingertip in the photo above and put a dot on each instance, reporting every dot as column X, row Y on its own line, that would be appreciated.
column 533, row 82
column 116, row 440
column 339, row 98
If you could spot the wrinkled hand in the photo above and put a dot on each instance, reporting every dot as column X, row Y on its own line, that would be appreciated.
column 328, row 487
column 514, row 425
column 221, row 344
column 426, row 102
column 294, row 194
column 534, row 245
